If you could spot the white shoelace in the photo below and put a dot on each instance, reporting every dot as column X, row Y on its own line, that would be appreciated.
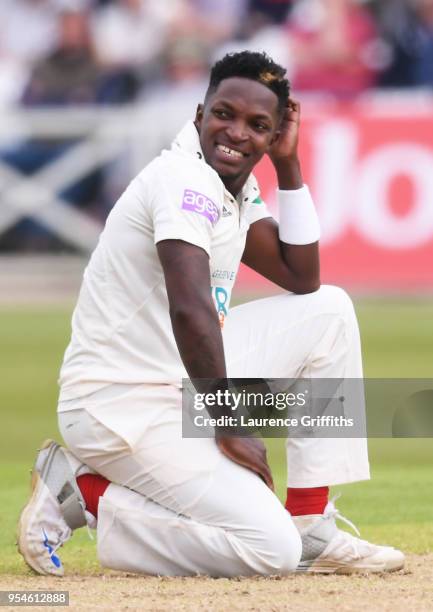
column 333, row 513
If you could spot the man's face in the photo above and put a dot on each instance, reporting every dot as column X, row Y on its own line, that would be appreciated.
column 237, row 124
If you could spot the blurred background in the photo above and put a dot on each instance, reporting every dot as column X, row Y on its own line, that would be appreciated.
column 90, row 91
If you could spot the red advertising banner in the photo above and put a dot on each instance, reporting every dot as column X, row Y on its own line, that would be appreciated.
column 370, row 170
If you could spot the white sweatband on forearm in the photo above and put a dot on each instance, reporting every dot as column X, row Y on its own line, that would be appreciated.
column 299, row 223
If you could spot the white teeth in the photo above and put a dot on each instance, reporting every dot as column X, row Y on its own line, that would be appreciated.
column 229, row 151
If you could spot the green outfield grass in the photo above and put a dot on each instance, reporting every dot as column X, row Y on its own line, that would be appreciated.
column 396, row 506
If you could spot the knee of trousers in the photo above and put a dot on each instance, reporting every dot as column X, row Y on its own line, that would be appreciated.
column 335, row 300
column 282, row 554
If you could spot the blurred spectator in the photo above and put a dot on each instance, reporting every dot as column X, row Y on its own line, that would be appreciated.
column 273, row 11
column 186, row 60
column 199, row 28
column 130, row 36
column 264, row 13
column 69, row 74
column 333, row 44
column 407, row 27
column 225, row 16
column 27, row 33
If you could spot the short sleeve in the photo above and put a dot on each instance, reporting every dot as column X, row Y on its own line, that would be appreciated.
column 185, row 206
column 258, row 210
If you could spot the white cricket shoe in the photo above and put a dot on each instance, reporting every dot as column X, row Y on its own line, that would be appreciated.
column 55, row 508
column 329, row 550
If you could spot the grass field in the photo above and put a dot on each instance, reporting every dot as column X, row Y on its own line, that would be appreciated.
column 396, row 507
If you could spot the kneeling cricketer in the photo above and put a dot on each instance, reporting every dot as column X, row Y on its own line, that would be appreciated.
column 154, row 308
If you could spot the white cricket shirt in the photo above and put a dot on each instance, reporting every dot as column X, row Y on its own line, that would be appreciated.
column 121, row 328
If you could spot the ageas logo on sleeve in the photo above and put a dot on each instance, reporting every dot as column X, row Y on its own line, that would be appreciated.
column 200, row 204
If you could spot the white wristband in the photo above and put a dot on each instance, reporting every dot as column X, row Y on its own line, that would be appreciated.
column 299, row 223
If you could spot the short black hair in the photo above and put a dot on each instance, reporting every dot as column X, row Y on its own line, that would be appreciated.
column 254, row 65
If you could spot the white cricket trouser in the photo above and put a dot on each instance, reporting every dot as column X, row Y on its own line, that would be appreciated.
column 180, row 507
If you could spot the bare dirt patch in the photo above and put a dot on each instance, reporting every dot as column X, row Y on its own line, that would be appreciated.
column 408, row 590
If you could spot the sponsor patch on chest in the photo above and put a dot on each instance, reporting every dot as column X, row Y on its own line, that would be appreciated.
column 199, row 203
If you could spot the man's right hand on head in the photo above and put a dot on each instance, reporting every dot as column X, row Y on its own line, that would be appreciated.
column 249, row 452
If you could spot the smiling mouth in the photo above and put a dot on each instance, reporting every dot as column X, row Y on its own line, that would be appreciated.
column 230, row 152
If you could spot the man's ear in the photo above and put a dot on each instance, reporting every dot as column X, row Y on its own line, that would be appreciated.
column 198, row 115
